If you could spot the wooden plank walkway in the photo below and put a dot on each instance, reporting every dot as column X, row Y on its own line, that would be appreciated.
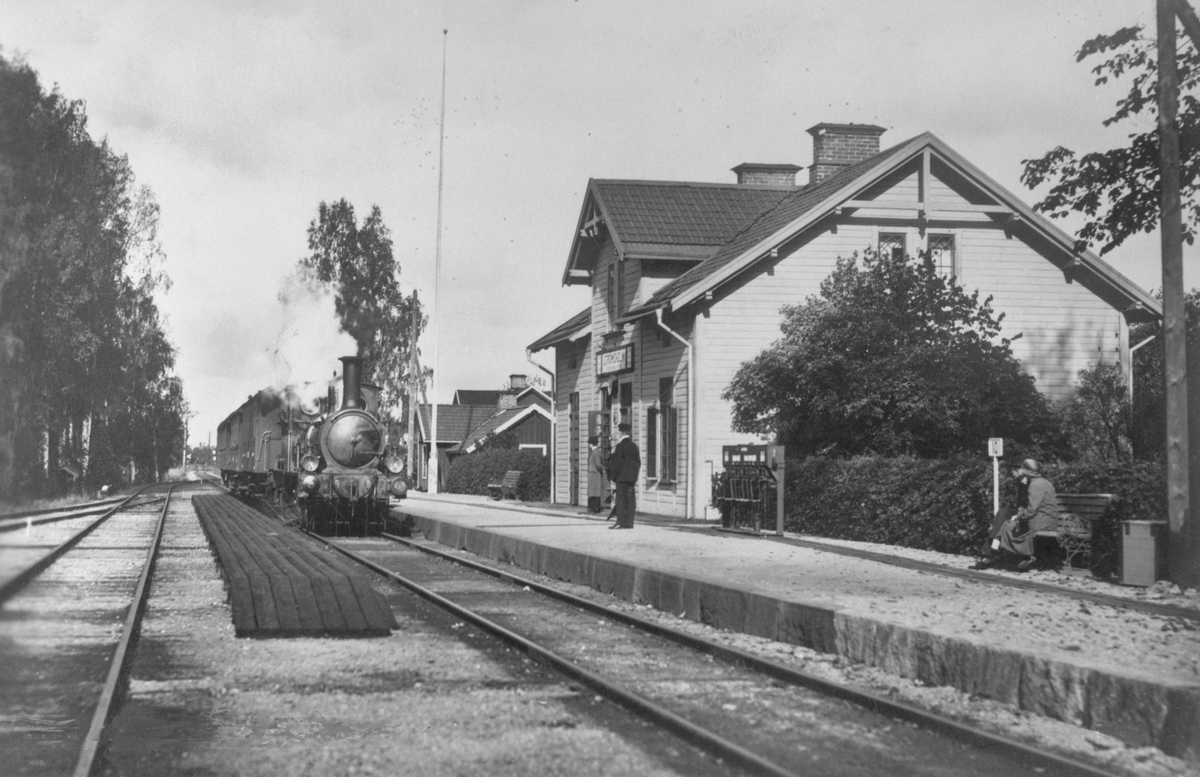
column 282, row 584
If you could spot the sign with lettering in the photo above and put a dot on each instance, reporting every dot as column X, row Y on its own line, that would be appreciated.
column 995, row 446
column 614, row 361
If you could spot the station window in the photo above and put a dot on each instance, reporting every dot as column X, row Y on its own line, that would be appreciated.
column 662, row 435
column 891, row 244
column 943, row 255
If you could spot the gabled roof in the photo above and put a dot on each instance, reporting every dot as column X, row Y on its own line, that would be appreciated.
column 477, row 397
column 571, row 329
column 664, row 219
column 454, row 421
column 804, row 208
column 535, row 395
column 498, row 422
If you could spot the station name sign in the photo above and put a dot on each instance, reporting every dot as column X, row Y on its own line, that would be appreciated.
column 614, row 361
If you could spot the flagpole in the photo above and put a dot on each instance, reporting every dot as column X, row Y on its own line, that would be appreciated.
column 434, row 468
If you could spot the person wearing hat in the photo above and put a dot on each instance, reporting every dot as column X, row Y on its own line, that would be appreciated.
column 623, row 467
column 1012, row 533
column 595, row 475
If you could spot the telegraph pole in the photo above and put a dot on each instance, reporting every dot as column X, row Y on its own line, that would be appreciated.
column 414, row 370
column 1183, row 558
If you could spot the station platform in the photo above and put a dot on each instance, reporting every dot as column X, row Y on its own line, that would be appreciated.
column 1037, row 641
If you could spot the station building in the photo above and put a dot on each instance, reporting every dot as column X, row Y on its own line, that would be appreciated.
column 688, row 280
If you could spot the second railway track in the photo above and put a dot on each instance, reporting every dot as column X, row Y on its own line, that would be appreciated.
column 763, row 717
column 72, row 597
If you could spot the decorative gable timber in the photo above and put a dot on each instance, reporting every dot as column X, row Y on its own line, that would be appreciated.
column 676, row 221
column 846, row 194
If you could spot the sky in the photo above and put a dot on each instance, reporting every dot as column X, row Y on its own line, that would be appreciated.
column 242, row 116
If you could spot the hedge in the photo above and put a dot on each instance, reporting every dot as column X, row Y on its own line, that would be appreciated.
column 946, row 504
column 471, row 474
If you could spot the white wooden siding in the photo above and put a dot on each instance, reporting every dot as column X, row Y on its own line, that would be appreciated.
column 1064, row 327
column 662, row 358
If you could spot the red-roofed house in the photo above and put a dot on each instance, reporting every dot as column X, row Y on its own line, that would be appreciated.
column 521, row 409
column 688, row 280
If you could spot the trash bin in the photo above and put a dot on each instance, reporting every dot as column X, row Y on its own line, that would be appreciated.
column 1143, row 552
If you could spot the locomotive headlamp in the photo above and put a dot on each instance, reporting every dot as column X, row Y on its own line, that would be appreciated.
column 394, row 464
column 399, row 487
column 309, row 462
column 310, row 485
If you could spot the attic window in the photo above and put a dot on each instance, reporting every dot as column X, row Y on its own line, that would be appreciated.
column 941, row 251
column 891, row 244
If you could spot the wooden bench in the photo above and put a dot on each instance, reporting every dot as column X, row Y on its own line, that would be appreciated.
column 507, row 486
column 1077, row 515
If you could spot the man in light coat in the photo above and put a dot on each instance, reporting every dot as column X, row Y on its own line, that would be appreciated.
column 595, row 475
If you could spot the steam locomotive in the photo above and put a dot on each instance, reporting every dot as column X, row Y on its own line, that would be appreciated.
column 336, row 466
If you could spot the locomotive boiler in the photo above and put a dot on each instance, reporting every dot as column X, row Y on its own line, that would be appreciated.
column 299, row 445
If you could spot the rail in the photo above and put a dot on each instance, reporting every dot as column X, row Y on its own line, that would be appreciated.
column 705, row 738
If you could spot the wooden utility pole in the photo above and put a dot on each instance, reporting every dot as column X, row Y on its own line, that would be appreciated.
column 1183, row 566
column 413, row 376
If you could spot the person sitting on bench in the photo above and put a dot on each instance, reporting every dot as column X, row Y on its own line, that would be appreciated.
column 1013, row 531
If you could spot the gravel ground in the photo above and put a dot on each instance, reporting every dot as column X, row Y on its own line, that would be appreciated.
column 434, row 698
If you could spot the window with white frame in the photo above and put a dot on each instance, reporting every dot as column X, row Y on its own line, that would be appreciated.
column 533, row 447
column 611, row 292
column 662, row 435
column 943, row 255
column 892, row 244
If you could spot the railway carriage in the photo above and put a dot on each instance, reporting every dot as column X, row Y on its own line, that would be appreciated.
column 336, row 465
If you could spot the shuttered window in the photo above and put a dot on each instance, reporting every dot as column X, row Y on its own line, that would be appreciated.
column 652, row 442
column 668, row 423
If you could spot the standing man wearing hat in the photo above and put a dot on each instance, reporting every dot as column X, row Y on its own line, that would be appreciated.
column 1012, row 535
column 595, row 475
column 623, row 467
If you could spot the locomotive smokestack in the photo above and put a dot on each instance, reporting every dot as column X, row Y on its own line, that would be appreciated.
column 352, row 382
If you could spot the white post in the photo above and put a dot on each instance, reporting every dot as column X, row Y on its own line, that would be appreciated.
column 995, row 450
column 995, row 484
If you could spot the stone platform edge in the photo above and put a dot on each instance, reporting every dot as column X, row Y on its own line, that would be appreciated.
column 1136, row 710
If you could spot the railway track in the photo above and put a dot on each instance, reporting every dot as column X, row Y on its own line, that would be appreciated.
column 757, row 715
column 71, row 603
column 27, row 520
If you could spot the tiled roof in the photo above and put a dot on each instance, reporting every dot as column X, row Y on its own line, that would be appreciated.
column 563, row 331
column 784, row 212
column 456, row 421
column 677, row 213
column 496, row 421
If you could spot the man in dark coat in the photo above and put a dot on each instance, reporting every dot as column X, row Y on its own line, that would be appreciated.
column 595, row 475
column 623, row 467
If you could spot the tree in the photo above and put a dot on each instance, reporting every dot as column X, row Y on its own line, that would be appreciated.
column 357, row 264
column 80, row 338
column 890, row 358
column 1148, row 427
column 1119, row 190
column 1150, row 182
column 1097, row 417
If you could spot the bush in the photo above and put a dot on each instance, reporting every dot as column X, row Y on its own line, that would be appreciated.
column 946, row 504
column 472, row 473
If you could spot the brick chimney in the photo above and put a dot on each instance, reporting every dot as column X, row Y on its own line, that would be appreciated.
column 837, row 146
column 518, row 382
column 766, row 174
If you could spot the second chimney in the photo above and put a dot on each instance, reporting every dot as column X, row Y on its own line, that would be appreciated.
column 766, row 174
column 837, row 146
